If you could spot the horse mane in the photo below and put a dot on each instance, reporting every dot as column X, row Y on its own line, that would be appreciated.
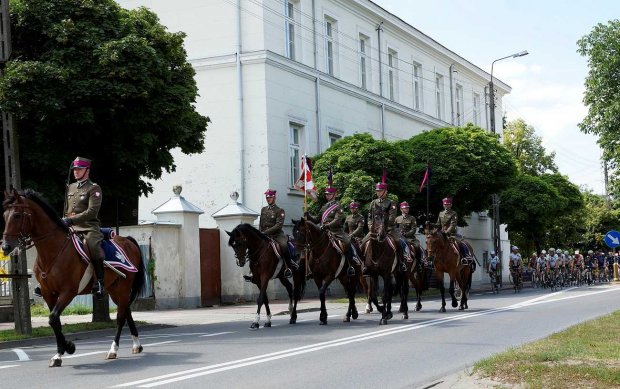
column 38, row 199
column 248, row 228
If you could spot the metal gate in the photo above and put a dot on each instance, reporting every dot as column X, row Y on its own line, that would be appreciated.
column 210, row 268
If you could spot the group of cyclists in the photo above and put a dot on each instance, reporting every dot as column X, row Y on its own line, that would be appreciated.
column 557, row 268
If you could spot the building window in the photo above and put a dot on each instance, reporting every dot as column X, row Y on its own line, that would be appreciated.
column 295, row 137
column 363, row 61
column 333, row 138
column 290, row 29
column 459, row 105
column 439, row 96
column 417, row 86
column 392, row 74
column 476, row 109
column 330, row 26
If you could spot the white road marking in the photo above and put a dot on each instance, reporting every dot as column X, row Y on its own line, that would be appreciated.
column 216, row 334
column 83, row 354
column 7, row 366
column 160, row 343
column 216, row 368
column 21, row 354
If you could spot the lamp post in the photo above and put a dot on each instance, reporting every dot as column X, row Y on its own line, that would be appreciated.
column 496, row 233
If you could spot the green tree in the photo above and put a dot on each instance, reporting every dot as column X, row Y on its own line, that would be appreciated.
column 522, row 141
column 566, row 228
column 92, row 79
column 598, row 219
column 602, row 88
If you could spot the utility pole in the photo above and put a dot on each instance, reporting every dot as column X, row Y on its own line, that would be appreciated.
column 19, row 266
column 607, row 201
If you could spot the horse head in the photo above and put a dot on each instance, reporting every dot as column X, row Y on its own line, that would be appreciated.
column 435, row 241
column 306, row 232
column 379, row 224
column 239, row 243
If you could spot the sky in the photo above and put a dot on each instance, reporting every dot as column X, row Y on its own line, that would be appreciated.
column 548, row 84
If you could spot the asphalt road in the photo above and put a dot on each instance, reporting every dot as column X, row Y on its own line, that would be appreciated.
column 414, row 353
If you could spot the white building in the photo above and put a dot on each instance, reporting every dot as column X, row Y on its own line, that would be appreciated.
column 280, row 78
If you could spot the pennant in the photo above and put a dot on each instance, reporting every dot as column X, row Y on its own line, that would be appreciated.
column 427, row 176
column 305, row 179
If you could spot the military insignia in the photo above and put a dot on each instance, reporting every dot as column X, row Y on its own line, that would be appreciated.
column 82, row 197
column 282, row 214
column 97, row 194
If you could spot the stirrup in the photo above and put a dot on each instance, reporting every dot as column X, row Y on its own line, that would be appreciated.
column 403, row 266
column 366, row 272
column 288, row 273
column 351, row 271
column 98, row 289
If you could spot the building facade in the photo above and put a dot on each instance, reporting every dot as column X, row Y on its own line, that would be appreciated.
column 280, row 78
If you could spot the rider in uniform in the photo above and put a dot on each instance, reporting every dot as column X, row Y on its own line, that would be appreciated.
column 407, row 225
column 447, row 221
column 81, row 212
column 332, row 217
column 271, row 223
column 354, row 223
column 383, row 205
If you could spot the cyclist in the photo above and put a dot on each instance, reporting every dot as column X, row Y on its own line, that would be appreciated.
column 515, row 265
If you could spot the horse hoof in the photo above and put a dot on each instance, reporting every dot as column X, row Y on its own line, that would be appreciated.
column 55, row 362
column 70, row 347
column 381, row 309
column 254, row 326
column 323, row 322
column 136, row 350
column 461, row 308
column 110, row 355
column 355, row 315
column 383, row 322
column 292, row 321
column 418, row 308
column 268, row 324
column 367, row 310
column 405, row 316
column 389, row 316
column 442, row 310
column 346, row 319
column 455, row 304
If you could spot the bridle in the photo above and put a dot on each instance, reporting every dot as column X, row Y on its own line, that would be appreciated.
column 249, row 254
column 310, row 247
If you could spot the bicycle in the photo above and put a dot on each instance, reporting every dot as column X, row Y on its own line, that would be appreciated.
column 495, row 282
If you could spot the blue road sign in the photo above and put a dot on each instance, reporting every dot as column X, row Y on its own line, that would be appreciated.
column 612, row 239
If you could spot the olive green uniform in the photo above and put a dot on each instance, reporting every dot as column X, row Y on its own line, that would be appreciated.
column 447, row 221
column 271, row 223
column 384, row 206
column 332, row 216
column 354, row 226
column 82, row 207
column 407, row 225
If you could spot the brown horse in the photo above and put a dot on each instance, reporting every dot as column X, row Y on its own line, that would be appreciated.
column 379, row 252
column 326, row 264
column 59, row 269
column 416, row 275
column 249, row 244
column 446, row 260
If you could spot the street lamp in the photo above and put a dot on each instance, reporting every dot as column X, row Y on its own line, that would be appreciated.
column 496, row 234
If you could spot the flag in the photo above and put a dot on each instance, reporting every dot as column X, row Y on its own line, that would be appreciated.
column 427, row 176
column 305, row 179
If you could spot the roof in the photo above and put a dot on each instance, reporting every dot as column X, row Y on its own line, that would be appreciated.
column 177, row 204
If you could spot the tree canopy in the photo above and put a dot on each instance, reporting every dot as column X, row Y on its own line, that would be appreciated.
column 531, row 156
column 89, row 78
column 467, row 163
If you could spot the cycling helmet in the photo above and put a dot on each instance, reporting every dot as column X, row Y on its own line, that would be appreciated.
column 552, row 249
column 544, row 252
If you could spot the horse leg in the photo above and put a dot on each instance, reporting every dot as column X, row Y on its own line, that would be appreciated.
column 259, row 304
column 62, row 344
column 323, row 314
column 404, row 295
column 455, row 302
column 267, row 311
column 136, row 348
column 442, row 290
column 386, row 299
column 121, row 316
column 289, row 289
column 350, row 287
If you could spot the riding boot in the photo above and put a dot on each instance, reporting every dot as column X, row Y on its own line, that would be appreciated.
column 98, row 289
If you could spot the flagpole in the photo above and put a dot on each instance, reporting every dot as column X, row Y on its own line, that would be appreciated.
column 305, row 173
column 428, row 191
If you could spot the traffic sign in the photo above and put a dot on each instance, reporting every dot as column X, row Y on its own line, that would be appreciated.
column 612, row 239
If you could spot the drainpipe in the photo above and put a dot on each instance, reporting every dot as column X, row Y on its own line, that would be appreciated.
column 317, row 81
column 451, row 95
column 240, row 107
column 379, row 29
column 486, row 103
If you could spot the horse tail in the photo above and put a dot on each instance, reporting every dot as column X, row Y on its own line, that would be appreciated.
column 139, row 281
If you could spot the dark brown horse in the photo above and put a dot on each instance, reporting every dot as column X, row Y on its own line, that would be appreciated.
column 252, row 245
column 446, row 260
column 379, row 253
column 416, row 275
column 327, row 264
column 59, row 269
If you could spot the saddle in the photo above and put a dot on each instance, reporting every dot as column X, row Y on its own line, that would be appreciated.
column 114, row 255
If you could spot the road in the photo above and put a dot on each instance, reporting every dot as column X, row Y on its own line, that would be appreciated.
column 414, row 353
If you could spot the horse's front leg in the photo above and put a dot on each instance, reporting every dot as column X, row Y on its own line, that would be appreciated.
column 386, row 299
column 259, row 304
column 322, row 291
column 442, row 290
column 136, row 348
column 268, row 311
column 455, row 302
column 404, row 295
column 62, row 344
column 350, row 287
column 291, row 308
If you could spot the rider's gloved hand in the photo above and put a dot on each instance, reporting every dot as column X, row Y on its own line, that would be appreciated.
column 324, row 227
column 67, row 221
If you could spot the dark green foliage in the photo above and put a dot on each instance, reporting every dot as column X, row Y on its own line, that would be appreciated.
column 89, row 78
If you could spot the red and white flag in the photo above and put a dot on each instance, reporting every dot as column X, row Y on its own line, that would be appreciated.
column 305, row 179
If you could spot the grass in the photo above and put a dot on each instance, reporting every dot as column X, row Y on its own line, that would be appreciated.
column 41, row 310
column 583, row 356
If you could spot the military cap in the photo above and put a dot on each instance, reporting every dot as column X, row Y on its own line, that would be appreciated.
column 270, row 193
column 404, row 204
column 81, row 163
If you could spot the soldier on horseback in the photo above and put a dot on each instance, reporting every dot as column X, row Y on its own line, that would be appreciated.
column 270, row 223
column 407, row 226
column 447, row 222
column 331, row 220
column 354, row 224
column 384, row 206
